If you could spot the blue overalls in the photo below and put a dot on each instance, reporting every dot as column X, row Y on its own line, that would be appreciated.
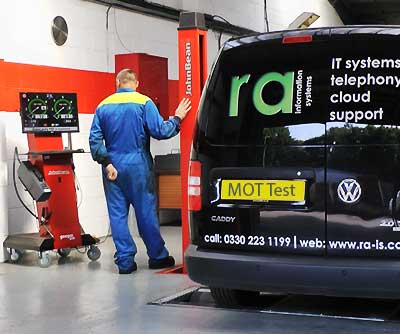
column 120, row 134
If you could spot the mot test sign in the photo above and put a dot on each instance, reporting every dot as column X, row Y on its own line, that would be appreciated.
column 263, row 190
column 352, row 90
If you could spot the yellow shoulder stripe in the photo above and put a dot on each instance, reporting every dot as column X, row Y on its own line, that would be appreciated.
column 125, row 97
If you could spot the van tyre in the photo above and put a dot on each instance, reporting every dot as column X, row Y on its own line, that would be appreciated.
column 234, row 298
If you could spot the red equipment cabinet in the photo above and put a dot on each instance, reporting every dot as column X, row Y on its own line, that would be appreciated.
column 152, row 72
column 50, row 167
column 55, row 164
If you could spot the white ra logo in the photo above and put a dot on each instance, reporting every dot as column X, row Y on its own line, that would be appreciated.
column 349, row 191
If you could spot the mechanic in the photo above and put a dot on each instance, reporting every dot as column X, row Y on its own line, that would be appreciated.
column 120, row 141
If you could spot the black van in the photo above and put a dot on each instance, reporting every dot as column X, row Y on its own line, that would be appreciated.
column 294, row 182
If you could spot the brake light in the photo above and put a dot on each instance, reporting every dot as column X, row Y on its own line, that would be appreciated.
column 194, row 185
column 297, row 39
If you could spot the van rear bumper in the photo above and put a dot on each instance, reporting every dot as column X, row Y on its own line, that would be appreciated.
column 349, row 277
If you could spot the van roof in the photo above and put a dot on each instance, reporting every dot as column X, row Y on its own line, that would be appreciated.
column 325, row 31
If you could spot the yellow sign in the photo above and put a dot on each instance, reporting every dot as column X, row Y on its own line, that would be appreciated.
column 263, row 190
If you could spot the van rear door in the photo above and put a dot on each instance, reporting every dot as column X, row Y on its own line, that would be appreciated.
column 261, row 142
column 363, row 171
column 298, row 137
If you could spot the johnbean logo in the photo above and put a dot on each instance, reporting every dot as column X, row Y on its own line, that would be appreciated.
column 188, row 68
column 260, row 91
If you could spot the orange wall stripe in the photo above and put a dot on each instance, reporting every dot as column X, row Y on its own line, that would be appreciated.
column 91, row 87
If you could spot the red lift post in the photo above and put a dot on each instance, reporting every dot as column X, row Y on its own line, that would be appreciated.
column 192, row 45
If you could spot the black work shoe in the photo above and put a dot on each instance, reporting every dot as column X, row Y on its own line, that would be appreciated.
column 128, row 271
column 166, row 262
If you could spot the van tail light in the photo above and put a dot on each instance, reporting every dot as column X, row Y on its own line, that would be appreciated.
column 194, row 185
column 297, row 39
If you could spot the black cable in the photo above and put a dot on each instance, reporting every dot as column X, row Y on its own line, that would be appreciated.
column 266, row 16
column 222, row 18
column 79, row 251
column 106, row 237
column 221, row 32
column 79, row 204
column 15, row 185
column 16, row 154
column 117, row 33
column 107, row 15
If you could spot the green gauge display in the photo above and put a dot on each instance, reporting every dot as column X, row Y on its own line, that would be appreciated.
column 37, row 108
column 63, row 109
column 49, row 112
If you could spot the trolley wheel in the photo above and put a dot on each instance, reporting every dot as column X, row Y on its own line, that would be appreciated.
column 15, row 255
column 93, row 253
column 64, row 252
column 44, row 260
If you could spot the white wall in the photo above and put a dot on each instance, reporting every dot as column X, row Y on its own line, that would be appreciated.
column 90, row 46
column 26, row 27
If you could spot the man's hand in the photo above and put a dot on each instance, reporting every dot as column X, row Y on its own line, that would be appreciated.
column 183, row 108
column 112, row 173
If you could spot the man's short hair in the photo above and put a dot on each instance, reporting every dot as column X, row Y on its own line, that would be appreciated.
column 126, row 75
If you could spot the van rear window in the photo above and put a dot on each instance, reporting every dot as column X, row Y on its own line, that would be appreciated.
column 290, row 92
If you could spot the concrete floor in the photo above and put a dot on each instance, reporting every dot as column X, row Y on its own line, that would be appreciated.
column 77, row 296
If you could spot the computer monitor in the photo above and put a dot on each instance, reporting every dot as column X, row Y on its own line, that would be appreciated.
column 49, row 112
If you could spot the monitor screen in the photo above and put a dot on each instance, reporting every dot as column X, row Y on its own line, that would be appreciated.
column 49, row 112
